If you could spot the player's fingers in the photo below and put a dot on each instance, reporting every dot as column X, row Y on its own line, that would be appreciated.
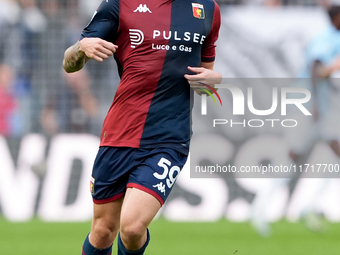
column 187, row 76
column 193, row 77
column 102, row 55
column 190, row 78
column 95, row 57
column 196, row 69
column 200, row 88
column 109, row 46
column 105, row 51
column 201, row 91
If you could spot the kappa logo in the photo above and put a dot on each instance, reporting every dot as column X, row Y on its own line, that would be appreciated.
column 136, row 37
column 160, row 186
column 142, row 8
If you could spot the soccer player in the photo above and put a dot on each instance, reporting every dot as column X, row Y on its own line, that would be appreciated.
column 322, row 65
column 160, row 48
column 322, row 61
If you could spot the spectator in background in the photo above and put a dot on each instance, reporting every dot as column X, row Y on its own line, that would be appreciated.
column 322, row 61
column 21, row 23
column 9, row 121
column 86, row 8
column 70, row 105
column 31, row 25
column 9, row 15
column 75, row 111
column 267, row 3
column 272, row 3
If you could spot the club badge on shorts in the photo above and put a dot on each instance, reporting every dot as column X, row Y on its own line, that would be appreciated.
column 92, row 185
column 198, row 10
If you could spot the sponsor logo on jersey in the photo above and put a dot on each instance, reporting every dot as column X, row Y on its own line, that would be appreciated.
column 198, row 11
column 176, row 36
column 142, row 8
column 180, row 39
column 136, row 37
column 92, row 185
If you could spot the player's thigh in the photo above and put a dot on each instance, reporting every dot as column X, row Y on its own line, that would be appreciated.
column 138, row 210
column 149, row 185
column 105, row 223
column 158, row 173
column 109, row 213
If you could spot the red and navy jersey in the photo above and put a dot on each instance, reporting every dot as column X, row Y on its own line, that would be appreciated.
column 157, row 40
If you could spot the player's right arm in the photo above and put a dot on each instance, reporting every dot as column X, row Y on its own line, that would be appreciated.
column 77, row 55
column 97, row 39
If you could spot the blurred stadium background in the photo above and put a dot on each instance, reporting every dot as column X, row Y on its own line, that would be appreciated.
column 50, row 124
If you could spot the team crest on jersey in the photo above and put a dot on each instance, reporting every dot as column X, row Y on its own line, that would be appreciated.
column 92, row 185
column 198, row 10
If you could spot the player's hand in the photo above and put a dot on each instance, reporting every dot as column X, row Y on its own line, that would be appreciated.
column 336, row 64
column 203, row 79
column 97, row 49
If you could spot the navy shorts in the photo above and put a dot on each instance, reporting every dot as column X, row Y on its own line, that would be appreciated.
column 151, row 170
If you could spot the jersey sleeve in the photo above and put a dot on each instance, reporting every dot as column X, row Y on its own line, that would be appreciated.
column 104, row 23
column 208, row 49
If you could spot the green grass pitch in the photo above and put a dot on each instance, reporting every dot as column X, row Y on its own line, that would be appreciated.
column 168, row 238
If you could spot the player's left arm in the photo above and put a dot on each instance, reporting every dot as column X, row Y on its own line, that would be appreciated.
column 204, row 78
